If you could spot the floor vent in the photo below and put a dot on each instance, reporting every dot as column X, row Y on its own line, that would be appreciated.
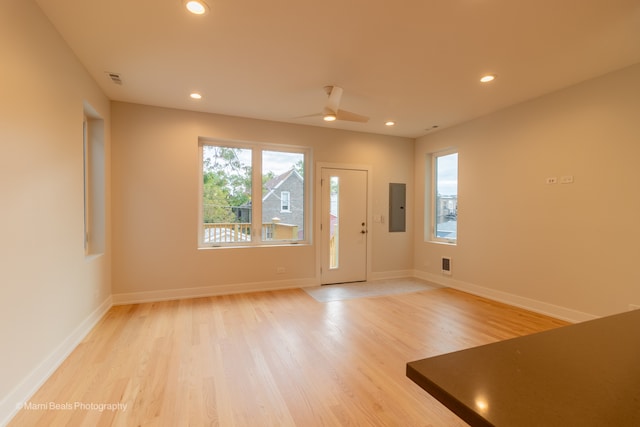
column 446, row 265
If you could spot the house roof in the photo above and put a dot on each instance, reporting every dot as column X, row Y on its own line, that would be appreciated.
column 273, row 184
column 417, row 62
column 278, row 180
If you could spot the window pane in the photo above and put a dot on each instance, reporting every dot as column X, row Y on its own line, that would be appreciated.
column 283, row 215
column 446, row 197
column 94, row 183
column 226, row 194
column 285, row 200
column 334, row 222
column 85, row 152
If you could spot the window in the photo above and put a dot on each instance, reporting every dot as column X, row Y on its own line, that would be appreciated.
column 94, row 182
column 285, row 201
column 444, row 208
column 226, row 194
column 334, row 222
column 241, row 182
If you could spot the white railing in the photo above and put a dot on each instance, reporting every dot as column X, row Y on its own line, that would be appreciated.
column 238, row 232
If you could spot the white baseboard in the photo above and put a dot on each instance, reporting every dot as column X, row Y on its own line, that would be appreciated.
column 548, row 309
column 209, row 291
column 10, row 405
column 541, row 307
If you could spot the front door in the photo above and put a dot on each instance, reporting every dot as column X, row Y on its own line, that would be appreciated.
column 344, row 225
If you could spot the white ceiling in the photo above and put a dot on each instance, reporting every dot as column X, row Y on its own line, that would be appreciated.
column 414, row 61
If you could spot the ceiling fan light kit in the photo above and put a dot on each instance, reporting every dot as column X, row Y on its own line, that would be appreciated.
column 333, row 112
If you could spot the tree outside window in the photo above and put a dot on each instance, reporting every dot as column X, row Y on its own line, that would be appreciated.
column 229, row 203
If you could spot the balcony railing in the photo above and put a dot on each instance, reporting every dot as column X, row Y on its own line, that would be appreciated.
column 238, row 232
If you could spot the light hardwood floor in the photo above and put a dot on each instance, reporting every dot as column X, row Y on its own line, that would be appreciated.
column 270, row 359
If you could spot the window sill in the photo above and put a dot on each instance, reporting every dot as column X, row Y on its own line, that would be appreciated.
column 439, row 242
column 271, row 245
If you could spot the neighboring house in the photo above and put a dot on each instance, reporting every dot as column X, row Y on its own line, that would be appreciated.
column 447, row 208
column 243, row 213
column 284, row 200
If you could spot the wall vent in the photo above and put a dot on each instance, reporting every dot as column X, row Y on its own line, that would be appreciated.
column 446, row 265
column 115, row 77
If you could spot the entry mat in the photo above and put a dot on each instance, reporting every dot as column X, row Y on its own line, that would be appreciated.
column 339, row 292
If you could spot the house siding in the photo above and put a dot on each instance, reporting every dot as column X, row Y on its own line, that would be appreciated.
column 271, row 205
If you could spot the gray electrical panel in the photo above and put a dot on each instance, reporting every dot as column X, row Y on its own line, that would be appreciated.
column 397, row 207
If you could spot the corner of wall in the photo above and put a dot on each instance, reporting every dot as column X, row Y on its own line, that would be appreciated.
column 541, row 307
column 12, row 403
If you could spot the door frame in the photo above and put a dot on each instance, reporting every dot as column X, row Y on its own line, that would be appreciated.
column 318, row 211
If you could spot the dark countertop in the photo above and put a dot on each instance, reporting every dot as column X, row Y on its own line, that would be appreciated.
column 587, row 374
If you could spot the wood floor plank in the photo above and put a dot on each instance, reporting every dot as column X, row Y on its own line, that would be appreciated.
column 271, row 359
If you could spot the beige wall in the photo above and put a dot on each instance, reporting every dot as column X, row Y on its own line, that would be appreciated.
column 576, row 245
column 49, row 292
column 155, row 203
column 569, row 249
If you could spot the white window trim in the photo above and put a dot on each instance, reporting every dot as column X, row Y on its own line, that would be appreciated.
column 433, row 190
column 256, row 190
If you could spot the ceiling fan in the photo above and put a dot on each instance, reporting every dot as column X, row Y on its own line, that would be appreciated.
column 332, row 111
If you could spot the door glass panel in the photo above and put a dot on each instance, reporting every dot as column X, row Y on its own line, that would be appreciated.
column 334, row 220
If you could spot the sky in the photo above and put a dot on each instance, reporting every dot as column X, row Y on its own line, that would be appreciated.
column 277, row 162
column 448, row 175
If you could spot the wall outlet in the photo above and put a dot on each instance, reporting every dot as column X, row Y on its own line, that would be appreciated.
column 551, row 180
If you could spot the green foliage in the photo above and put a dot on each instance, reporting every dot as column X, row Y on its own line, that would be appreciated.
column 266, row 178
column 299, row 167
column 226, row 183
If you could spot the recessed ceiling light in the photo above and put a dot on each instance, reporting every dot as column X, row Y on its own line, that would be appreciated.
column 390, row 123
column 197, row 7
column 329, row 117
column 488, row 78
column 195, row 95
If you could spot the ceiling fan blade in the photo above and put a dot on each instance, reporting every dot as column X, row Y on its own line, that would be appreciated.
column 309, row 115
column 331, row 108
column 334, row 99
column 351, row 117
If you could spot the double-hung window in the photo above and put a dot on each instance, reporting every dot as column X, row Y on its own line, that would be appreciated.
column 444, row 197
column 252, row 194
column 285, row 201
